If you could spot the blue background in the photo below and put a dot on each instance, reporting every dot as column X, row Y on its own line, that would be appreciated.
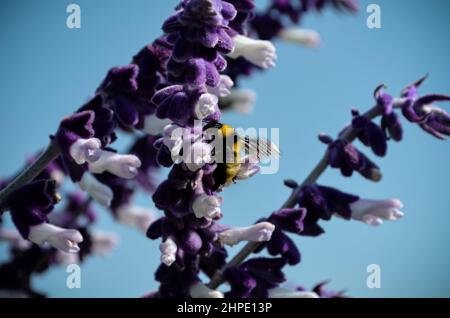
column 48, row 70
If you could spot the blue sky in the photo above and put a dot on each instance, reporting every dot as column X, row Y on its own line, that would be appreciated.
column 48, row 70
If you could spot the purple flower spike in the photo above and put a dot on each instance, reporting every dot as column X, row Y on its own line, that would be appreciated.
column 370, row 134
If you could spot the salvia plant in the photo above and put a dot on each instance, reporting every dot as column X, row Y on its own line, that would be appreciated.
column 173, row 92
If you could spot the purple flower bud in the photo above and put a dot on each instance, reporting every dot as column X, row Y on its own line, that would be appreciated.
column 241, row 283
column 390, row 123
column 322, row 203
column 255, row 277
column 143, row 149
column 421, row 110
column 291, row 183
column 31, row 204
column 104, row 123
column 289, row 220
column 282, row 245
column 370, row 134
column 344, row 156
column 73, row 128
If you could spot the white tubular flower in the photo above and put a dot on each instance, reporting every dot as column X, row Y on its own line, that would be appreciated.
column 200, row 290
column 248, row 169
column 168, row 251
column 261, row 232
column 207, row 105
column 86, row 150
column 97, row 190
column 14, row 239
column 373, row 212
column 63, row 258
column 224, row 87
column 207, row 206
column 103, row 242
column 306, row 37
column 154, row 125
column 196, row 155
column 241, row 100
column 61, row 239
column 123, row 166
column 136, row 217
column 259, row 52
column 280, row 292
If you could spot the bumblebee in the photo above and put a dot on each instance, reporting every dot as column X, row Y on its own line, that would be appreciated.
column 230, row 152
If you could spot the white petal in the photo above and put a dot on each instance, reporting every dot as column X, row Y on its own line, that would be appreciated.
column 259, row 52
column 97, row 190
column 103, row 242
column 86, row 150
column 261, row 232
column 224, row 87
column 14, row 238
column 207, row 206
column 206, row 106
column 62, row 239
column 137, row 217
column 123, row 166
column 373, row 212
column 306, row 37
column 168, row 251
column 64, row 258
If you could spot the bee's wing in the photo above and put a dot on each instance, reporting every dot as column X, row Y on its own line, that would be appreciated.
column 260, row 147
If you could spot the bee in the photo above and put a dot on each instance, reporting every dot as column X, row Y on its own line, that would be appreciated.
column 230, row 152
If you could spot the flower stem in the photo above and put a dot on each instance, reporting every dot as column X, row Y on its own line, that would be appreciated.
column 29, row 173
column 349, row 135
